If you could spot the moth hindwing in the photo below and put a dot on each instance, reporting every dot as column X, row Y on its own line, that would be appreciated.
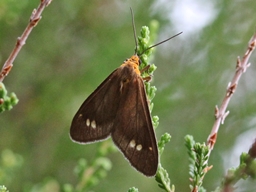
column 119, row 108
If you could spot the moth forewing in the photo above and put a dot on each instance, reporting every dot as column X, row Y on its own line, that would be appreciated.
column 137, row 138
column 94, row 120
column 118, row 107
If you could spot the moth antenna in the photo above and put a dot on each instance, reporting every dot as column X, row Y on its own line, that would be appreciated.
column 161, row 42
column 134, row 31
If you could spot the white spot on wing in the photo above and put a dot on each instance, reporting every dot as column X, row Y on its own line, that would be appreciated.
column 132, row 143
column 139, row 147
column 88, row 122
column 93, row 124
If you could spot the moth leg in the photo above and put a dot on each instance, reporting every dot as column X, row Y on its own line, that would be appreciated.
column 148, row 78
column 145, row 68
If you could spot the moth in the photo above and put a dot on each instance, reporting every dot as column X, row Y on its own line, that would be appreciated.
column 119, row 109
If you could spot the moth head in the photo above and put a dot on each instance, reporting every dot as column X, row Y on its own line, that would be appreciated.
column 132, row 65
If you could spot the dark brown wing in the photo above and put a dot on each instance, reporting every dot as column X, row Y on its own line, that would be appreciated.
column 133, row 130
column 94, row 120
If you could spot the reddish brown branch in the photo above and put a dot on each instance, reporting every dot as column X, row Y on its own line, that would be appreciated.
column 34, row 19
column 221, row 113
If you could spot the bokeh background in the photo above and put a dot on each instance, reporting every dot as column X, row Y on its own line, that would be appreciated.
column 77, row 44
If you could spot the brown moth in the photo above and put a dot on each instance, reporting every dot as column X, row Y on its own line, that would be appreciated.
column 119, row 108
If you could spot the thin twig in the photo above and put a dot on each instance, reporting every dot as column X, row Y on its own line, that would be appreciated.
column 34, row 19
column 221, row 113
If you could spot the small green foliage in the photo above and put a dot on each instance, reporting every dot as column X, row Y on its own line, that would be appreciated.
column 81, row 166
column 90, row 176
column 151, row 90
column 246, row 168
column 164, row 182
column 143, row 44
column 106, row 148
column 154, row 28
column 198, row 162
column 145, row 41
column 155, row 120
column 165, row 138
column 162, row 176
column 133, row 189
column 152, row 68
column 189, row 143
column 6, row 102
column 3, row 188
column 252, row 169
column 201, row 189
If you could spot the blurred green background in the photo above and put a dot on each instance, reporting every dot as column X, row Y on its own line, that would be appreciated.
column 77, row 44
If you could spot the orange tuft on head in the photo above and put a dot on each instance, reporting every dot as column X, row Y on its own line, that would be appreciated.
column 134, row 61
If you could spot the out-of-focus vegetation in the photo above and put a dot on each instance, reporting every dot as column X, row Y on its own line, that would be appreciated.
column 73, row 49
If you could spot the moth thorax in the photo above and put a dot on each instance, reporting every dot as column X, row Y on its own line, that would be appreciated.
column 133, row 62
